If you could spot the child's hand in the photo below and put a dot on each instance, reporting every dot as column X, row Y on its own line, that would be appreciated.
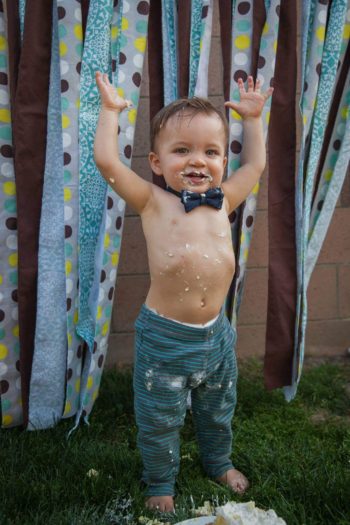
column 109, row 96
column 252, row 101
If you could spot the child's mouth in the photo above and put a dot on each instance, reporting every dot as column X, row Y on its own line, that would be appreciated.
column 195, row 177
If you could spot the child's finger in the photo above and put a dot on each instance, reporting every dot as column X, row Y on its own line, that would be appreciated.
column 257, row 85
column 268, row 93
column 241, row 85
column 231, row 105
column 250, row 84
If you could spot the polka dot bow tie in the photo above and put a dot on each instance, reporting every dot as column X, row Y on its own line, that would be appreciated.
column 190, row 199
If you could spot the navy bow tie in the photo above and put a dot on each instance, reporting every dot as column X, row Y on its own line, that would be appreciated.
column 190, row 199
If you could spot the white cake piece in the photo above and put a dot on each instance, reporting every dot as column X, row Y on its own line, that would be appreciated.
column 247, row 514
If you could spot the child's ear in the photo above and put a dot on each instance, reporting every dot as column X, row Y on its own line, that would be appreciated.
column 155, row 163
column 225, row 162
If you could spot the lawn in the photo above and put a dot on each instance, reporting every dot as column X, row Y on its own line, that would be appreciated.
column 297, row 456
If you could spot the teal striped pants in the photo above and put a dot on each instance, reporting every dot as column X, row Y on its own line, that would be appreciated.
column 171, row 360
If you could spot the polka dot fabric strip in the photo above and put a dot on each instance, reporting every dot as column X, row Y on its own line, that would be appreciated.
column 266, row 66
column 132, row 46
column 70, row 48
column 241, row 63
column 10, row 381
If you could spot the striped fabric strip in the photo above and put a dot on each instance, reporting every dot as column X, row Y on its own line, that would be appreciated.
column 197, row 28
column 30, row 128
column 282, row 278
column 132, row 43
column 70, row 46
column 10, row 381
column 201, row 85
column 169, row 31
column 47, row 383
column 330, row 57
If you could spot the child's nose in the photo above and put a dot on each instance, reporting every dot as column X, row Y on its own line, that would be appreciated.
column 197, row 159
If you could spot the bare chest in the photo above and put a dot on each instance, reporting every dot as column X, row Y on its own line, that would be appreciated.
column 195, row 243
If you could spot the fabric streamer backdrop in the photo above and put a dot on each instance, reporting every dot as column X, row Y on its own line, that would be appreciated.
column 51, row 188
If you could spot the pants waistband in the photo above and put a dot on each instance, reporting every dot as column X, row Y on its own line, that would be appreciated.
column 171, row 327
column 194, row 325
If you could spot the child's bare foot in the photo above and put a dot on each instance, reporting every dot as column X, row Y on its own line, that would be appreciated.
column 234, row 479
column 161, row 503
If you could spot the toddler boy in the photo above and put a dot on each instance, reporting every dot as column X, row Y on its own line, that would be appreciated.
column 184, row 342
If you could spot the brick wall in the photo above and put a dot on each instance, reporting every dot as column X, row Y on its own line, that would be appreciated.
column 328, row 330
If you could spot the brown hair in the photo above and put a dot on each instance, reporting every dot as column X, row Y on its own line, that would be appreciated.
column 193, row 106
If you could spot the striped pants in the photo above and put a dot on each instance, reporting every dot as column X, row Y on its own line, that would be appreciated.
column 172, row 359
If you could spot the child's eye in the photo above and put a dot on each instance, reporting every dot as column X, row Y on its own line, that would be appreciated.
column 181, row 150
column 212, row 152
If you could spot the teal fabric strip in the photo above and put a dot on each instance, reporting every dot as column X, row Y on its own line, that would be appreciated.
column 330, row 184
column 96, row 56
column 89, row 384
column 70, row 44
column 115, row 44
column 132, row 43
column 330, row 58
column 22, row 9
column 306, row 23
column 47, row 384
column 195, row 42
column 11, row 407
column 267, row 55
column 169, row 31
column 201, row 86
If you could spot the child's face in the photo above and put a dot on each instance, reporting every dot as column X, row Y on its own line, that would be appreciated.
column 190, row 152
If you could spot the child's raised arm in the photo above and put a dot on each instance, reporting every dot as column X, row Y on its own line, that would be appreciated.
column 253, row 156
column 132, row 188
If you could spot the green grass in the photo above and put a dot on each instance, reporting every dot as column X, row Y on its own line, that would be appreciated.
column 296, row 455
